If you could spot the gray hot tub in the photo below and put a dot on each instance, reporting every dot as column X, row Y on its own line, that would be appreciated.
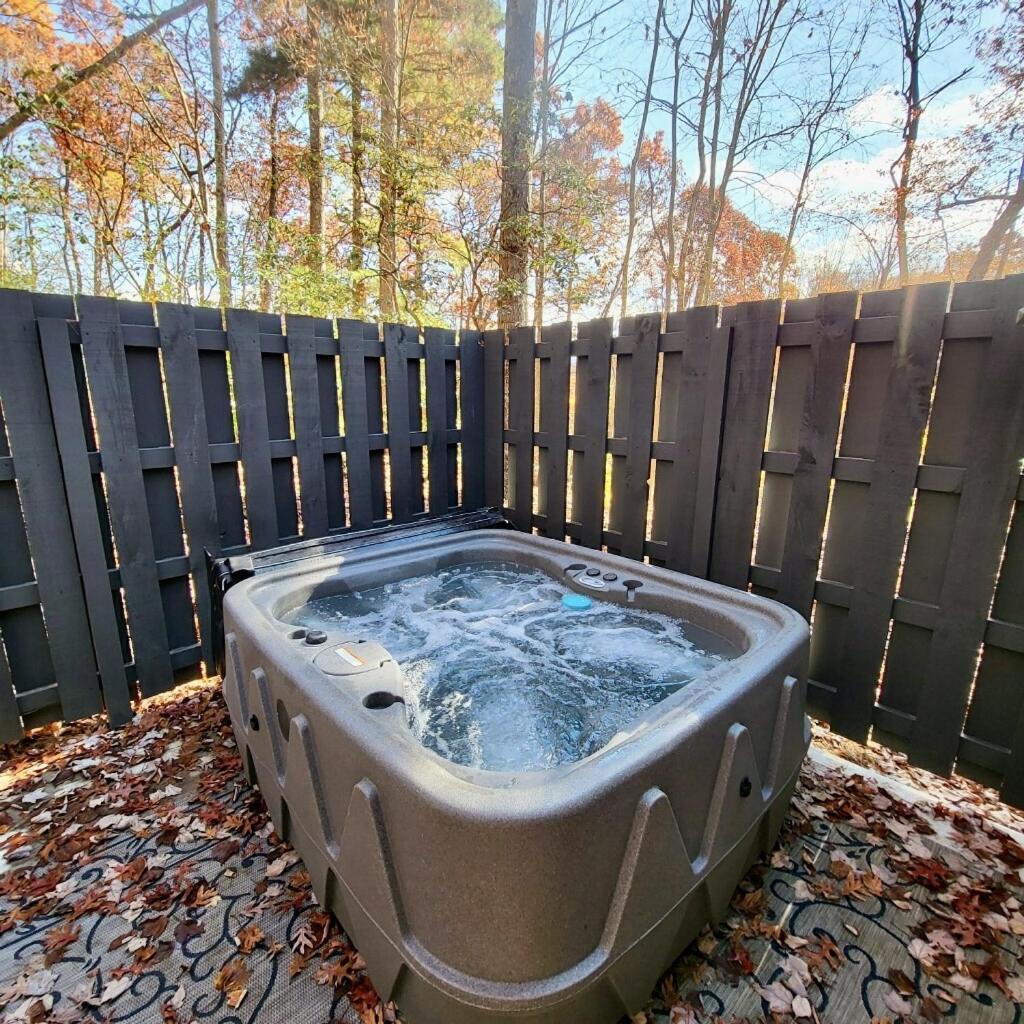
column 624, row 809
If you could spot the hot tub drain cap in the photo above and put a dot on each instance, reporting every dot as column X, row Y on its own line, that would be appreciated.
column 576, row 602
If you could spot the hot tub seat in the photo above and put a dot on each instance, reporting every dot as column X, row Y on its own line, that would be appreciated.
column 540, row 896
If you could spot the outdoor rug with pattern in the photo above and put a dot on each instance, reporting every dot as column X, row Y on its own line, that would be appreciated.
column 141, row 881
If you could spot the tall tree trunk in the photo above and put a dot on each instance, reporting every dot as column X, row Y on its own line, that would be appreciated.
column 220, row 155
column 75, row 277
column 999, row 230
column 673, row 183
column 634, row 164
column 149, row 285
column 516, row 132
column 316, row 144
column 911, row 29
column 540, row 255
column 357, row 256
column 273, row 192
column 794, row 216
column 97, row 259
column 388, row 243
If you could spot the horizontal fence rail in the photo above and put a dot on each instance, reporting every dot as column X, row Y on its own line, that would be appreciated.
column 854, row 456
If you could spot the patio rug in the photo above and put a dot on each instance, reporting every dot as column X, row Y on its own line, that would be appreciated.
column 141, row 881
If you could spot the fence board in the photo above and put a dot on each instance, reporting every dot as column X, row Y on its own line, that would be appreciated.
column 396, row 360
column 253, row 427
column 33, row 448
column 112, row 405
column 688, row 416
column 305, row 387
column 81, row 502
column 593, row 379
column 494, row 409
column 357, row 424
column 816, row 446
column 183, row 378
column 901, row 420
column 273, row 346
column 995, row 426
column 10, row 714
column 553, row 457
column 471, row 418
column 435, row 341
column 520, row 422
column 755, row 331
column 631, row 489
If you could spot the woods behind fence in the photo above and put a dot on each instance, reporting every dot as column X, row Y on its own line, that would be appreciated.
column 855, row 456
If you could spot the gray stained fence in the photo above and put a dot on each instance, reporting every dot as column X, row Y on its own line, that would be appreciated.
column 855, row 456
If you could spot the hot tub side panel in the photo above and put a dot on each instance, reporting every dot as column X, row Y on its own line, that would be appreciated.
column 463, row 913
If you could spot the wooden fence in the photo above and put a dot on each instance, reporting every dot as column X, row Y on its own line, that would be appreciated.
column 132, row 441
column 857, row 458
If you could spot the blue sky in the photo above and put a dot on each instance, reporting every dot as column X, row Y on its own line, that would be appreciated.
column 858, row 176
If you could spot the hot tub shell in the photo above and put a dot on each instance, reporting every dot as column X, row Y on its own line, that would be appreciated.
column 542, row 896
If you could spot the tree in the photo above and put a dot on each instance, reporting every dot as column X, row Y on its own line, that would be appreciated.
column 270, row 74
column 389, row 138
column 34, row 106
column 316, row 146
column 624, row 278
column 220, row 156
column 823, row 119
column 516, row 132
column 923, row 28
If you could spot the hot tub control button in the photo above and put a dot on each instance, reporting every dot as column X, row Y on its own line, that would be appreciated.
column 593, row 572
column 609, row 577
column 316, row 636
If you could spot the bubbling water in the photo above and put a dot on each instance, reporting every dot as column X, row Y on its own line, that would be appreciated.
column 499, row 675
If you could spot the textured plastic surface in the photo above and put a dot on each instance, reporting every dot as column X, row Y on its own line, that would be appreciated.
column 542, row 896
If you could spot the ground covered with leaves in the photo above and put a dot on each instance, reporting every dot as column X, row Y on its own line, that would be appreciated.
column 141, row 880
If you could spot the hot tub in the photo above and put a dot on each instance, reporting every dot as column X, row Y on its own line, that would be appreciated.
column 526, row 809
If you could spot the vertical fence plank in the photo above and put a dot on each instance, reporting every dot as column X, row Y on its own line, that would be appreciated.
column 23, row 390
column 682, row 415
column 590, row 427
column 435, row 341
column 329, row 394
column 183, row 378
column 357, row 430
column 81, row 502
column 996, row 426
column 902, row 421
column 396, row 337
column 816, row 448
column 471, row 417
column 109, row 387
column 554, row 426
column 494, row 418
column 520, row 422
column 273, row 346
column 710, row 452
column 10, row 718
column 630, row 491
column 253, row 427
column 309, row 450
column 996, row 718
column 755, row 332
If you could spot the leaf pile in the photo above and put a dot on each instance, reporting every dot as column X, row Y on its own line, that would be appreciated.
column 141, row 860
column 148, row 831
